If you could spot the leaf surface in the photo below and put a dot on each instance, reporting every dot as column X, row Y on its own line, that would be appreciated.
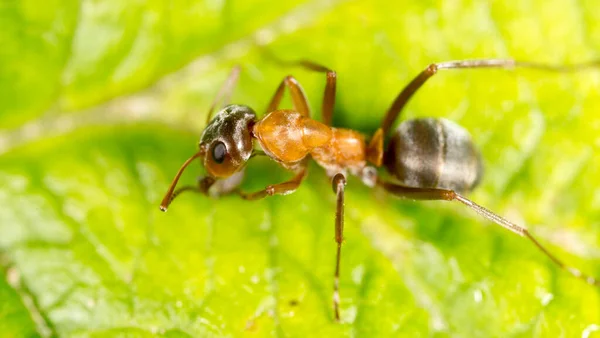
column 102, row 101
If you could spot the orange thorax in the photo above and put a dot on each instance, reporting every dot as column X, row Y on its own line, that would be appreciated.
column 288, row 136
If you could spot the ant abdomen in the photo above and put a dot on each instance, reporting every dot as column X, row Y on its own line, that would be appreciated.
column 433, row 153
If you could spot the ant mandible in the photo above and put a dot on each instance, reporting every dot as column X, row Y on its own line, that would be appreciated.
column 430, row 158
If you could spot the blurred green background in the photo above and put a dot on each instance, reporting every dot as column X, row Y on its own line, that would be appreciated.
column 101, row 101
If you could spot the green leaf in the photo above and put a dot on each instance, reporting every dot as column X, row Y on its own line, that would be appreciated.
column 101, row 102
column 14, row 317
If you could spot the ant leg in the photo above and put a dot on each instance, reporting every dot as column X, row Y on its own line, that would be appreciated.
column 298, row 97
column 225, row 92
column 338, row 184
column 330, row 85
column 328, row 95
column 284, row 188
column 203, row 185
column 218, row 187
column 449, row 195
column 394, row 111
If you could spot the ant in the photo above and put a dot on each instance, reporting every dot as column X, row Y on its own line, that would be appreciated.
column 428, row 158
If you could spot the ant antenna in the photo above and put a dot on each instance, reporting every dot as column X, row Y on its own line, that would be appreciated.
column 225, row 92
column 169, row 195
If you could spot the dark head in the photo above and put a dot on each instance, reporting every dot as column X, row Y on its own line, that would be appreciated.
column 226, row 142
column 225, row 145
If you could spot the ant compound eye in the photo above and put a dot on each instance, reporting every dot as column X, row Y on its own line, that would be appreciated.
column 218, row 152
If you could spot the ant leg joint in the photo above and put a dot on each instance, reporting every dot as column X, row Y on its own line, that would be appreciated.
column 290, row 78
column 338, row 182
column 432, row 69
column 449, row 195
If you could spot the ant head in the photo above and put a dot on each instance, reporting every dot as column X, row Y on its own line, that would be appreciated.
column 227, row 142
column 225, row 146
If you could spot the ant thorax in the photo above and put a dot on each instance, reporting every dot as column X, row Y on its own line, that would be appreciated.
column 288, row 137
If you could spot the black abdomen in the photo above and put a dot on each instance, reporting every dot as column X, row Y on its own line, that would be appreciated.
column 433, row 153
